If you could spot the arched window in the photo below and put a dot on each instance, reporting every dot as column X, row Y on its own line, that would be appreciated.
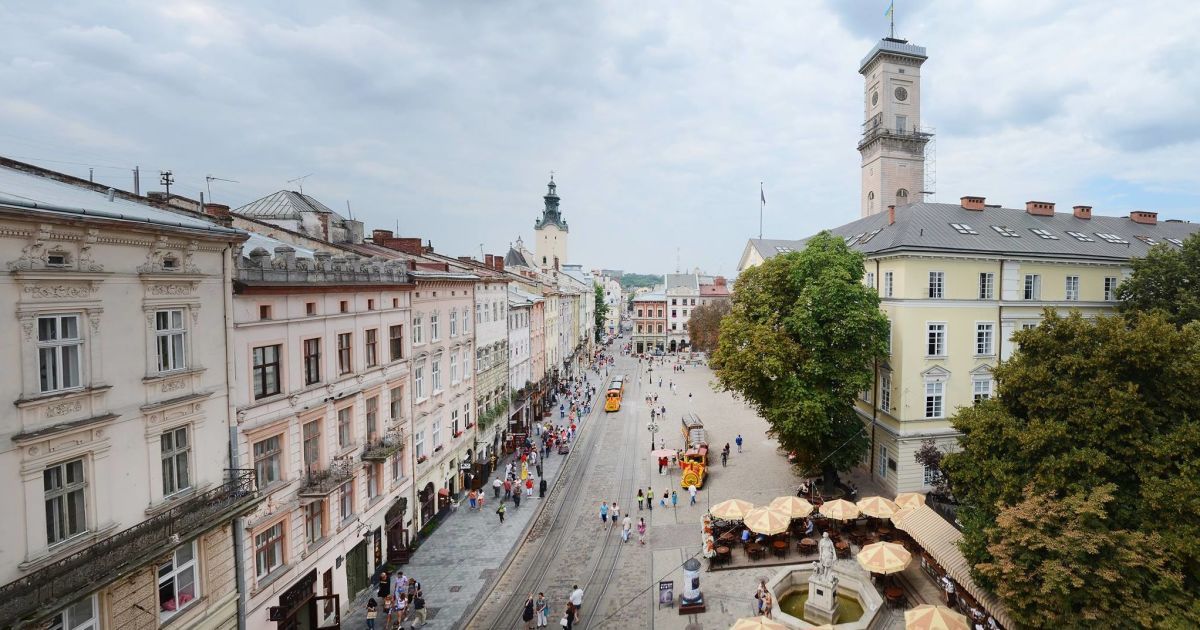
column 871, row 201
column 901, row 197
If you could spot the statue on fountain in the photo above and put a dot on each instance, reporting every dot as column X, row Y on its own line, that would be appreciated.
column 826, row 554
column 821, row 605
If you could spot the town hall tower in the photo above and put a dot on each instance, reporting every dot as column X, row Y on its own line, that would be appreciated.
column 893, row 142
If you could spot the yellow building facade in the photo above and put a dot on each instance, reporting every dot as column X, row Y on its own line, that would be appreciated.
column 956, row 281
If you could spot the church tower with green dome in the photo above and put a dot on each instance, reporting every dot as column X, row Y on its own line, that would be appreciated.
column 551, row 231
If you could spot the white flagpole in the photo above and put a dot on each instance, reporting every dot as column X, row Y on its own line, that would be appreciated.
column 761, row 197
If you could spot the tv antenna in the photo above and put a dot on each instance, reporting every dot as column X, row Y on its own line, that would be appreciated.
column 299, row 181
column 166, row 179
column 209, row 179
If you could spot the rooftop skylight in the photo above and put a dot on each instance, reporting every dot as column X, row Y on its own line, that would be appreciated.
column 963, row 228
column 1006, row 231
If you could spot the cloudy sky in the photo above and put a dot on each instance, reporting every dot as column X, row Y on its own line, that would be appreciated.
column 660, row 118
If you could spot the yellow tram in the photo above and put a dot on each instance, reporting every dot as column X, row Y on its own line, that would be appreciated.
column 616, row 390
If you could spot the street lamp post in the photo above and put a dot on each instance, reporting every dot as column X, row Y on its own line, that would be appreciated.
column 652, row 428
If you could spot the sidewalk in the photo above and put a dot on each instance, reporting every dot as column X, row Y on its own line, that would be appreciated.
column 462, row 556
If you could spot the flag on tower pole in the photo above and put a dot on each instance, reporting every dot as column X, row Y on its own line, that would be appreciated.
column 762, row 195
column 762, row 201
column 891, row 7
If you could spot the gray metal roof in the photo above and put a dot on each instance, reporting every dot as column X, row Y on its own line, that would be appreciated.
column 930, row 227
column 651, row 297
column 681, row 281
column 515, row 258
column 896, row 47
column 284, row 204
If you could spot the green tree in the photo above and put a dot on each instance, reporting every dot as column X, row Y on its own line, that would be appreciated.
column 601, row 312
column 799, row 345
column 705, row 324
column 1084, row 404
column 630, row 281
column 1167, row 279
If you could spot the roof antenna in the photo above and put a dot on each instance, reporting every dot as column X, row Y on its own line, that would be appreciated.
column 348, row 210
column 299, row 181
column 209, row 179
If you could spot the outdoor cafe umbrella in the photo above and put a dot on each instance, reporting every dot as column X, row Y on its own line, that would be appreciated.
column 794, row 507
column 767, row 520
column 877, row 507
column 839, row 510
column 929, row 617
column 884, row 557
column 731, row 510
column 757, row 623
column 662, row 452
column 910, row 499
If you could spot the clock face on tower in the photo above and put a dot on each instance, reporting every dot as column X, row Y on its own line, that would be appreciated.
column 901, row 94
column 874, row 98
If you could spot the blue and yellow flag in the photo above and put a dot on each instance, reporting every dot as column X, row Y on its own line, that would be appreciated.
column 891, row 6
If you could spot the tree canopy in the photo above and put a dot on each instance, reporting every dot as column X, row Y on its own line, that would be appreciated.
column 799, row 344
column 1167, row 279
column 631, row 281
column 705, row 324
column 1084, row 405
column 601, row 312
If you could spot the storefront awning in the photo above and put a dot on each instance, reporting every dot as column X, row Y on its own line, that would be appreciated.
column 940, row 540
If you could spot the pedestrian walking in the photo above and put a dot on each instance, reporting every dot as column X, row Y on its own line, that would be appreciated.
column 500, row 511
column 674, row 500
column 641, row 529
column 542, row 487
column 724, row 458
column 738, row 441
column 577, row 601
column 541, row 609
column 507, row 488
column 616, row 513
column 692, row 493
column 665, row 497
column 641, row 499
column 604, row 513
column 372, row 611
column 496, row 486
column 649, row 499
column 517, row 498
column 527, row 612
column 418, row 606
column 568, row 620
column 471, row 500
column 529, row 487
column 626, row 528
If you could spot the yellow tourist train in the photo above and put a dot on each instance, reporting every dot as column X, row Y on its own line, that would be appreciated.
column 693, row 462
column 616, row 389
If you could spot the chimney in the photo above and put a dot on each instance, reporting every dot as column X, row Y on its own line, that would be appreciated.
column 1040, row 208
column 323, row 217
column 489, row 261
column 379, row 237
column 220, row 213
column 891, row 215
column 1144, row 217
column 972, row 203
column 1083, row 212
column 466, row 259
column 499, row 262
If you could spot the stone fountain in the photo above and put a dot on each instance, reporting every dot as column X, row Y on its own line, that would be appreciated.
column 827, row 592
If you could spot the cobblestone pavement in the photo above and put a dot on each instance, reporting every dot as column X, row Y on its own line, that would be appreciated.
column 464, row 554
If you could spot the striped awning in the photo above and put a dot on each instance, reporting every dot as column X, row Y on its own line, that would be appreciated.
column 940, row 540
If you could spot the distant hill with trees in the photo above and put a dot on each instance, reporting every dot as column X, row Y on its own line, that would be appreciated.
column 638, row 280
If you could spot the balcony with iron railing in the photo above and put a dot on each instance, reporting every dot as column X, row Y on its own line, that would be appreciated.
column 320, row 483
column 875, row 128
column 380, row 449
column 52, row 587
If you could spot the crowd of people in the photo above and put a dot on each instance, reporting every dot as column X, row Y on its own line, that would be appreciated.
column 403, row 603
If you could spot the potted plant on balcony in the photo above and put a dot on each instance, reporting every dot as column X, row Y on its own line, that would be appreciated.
column 422, row 459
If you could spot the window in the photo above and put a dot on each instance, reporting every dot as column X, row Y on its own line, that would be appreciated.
column 419, row 382
column 372, row 481
column 1043, row 234
column 936, row 336
column 466, row 367
column 1112, row 238
column 419, row 445
column 931, row 475
column 885, row 392
column 395, row 402
column 59, row 350
column 312, row 361
column 268, row 550
column 639, row 312
column 344, row 306
column 1072, row 288
column 370, row 304
column 314, row 522
column 453, row 368
column 397, row 468
column 435, row 374
column 870, row 279
column 434, row 330
column 345, row 428
column 372, row 346
column 1080, row 236
column 1005, row 231
column 934, row 403
column 346, row 499
column 417, row 330
column 266, row 461
column 901, row 123
column 66, row 511
column 170, row 338
column 466, row 320
column 1110, row 289
column 436, row 434
column 264, row 311
column 639, row 328
column 660, row 314
column 987, row 286
column 881, row 465
column 984, row 333
column 372, row 419
column 674, row 313
column 266, row 371
column 889, row 336
column 1033, row 287
column 310, row 308
column 396, row 342
column 312, row 446
column 673, row 302
column 453, row 323
column 660, row 328
column 343, row 353
column 963, row 228
column 175, row 451
column 1175, row 241
column 982, row 388
column 81, row 615
column 937, row 285
column 177, row 585
column 887, row 284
